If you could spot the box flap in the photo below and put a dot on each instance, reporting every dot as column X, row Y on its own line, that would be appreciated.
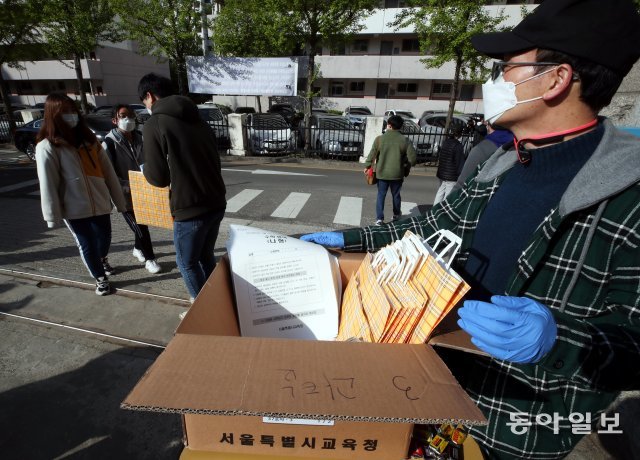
column 213, row 311
column 449, row 335
column 303, row 379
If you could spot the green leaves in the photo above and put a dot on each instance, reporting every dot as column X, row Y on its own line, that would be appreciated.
column 76, row 28
column 163, row 28
column 445, row 30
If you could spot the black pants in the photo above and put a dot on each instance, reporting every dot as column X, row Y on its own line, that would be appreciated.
column 142, row 236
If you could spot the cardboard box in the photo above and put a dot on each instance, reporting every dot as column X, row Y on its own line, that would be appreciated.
column 224, row 385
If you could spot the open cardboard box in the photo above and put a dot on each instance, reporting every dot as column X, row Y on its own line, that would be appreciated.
column 349, row 399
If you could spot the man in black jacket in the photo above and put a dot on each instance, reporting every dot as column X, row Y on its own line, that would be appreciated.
column 180, row 151
column 450, row 162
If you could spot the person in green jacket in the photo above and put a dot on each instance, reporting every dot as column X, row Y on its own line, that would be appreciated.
column 390, row 152
column 550, row 230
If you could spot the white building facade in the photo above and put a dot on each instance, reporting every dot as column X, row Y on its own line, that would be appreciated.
column 111, row 74
column 382, row 69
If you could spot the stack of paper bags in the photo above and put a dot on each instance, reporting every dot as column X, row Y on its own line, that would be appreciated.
column 285, row 287
column 400, row 294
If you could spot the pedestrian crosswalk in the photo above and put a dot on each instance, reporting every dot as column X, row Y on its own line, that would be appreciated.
column 342, row 210
column 349, row 210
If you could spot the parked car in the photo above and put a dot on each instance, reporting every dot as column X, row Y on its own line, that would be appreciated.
column 422, row 142
column 218, row 122
column 288, row 112
column 434, row 127
column 245, row 110
column 25, row 136
column 357, row 114
column 335, row 135
column 269, row 133
column 20, row 117
column 406, row 114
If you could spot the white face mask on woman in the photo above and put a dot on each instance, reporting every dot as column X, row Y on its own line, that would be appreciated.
column 498, row 96
column 127, row 124
column 71, row 119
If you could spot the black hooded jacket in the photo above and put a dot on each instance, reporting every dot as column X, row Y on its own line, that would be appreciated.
column 180, row 150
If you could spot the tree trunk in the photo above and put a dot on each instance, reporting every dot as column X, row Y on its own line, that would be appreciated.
column 80, row 80
column 454, row 94
column 259, row 103
column 4, row 92
column 181, row 67
column 309, row 97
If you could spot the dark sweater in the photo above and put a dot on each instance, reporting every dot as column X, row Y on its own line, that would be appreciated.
column 180, row 150
column 450, row 160
column 526, row 196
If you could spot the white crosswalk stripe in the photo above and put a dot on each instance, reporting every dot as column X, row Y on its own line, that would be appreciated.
column 409, row 209
column 291, row 206
column 240, row 200
column 349, row 211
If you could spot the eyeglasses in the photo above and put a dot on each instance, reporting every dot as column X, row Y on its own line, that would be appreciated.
column 498, row 67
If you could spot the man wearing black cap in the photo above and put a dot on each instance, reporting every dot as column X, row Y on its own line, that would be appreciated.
column 550, row 230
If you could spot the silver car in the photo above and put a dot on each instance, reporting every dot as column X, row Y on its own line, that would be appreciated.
column 269, row 133
column 335, row 135
column 422, row 143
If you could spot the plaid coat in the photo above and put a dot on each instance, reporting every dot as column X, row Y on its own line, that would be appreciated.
column 583, row 262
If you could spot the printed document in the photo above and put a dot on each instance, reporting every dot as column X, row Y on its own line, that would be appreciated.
column 285, row 287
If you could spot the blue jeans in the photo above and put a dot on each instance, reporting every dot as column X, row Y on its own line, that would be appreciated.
column 383, row 186
column 195, row 240
column 93, row 237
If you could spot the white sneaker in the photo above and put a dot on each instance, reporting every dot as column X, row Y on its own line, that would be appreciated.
column 152, row 266
column 137, row 253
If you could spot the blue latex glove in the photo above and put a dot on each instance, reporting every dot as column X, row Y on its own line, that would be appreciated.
column 515, row 329
column 327, row 239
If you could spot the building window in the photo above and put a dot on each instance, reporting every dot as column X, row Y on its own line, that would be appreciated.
column 336, row 88
column 410, row 45
column 440, row 90
column 338, row 50
column 466, row 93
column 360, row 46
column 407, row 87
column 356, row 86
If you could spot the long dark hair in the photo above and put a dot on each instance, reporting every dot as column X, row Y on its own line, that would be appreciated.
column 56, row 130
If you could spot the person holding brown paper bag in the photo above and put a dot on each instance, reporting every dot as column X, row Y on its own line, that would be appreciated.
column 550, row 231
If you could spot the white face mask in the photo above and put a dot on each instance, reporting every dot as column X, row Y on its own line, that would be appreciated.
column 498, row 96
column 127, row 124
column 71, row 119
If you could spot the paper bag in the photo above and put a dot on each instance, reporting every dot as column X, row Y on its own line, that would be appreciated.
column 150, row 204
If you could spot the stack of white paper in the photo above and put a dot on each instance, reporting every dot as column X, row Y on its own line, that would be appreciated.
column 283, row 286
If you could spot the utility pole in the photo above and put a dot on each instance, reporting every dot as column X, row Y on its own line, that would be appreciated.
column 205, row 28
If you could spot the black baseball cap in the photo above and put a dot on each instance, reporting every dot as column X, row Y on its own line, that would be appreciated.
column 606, row 32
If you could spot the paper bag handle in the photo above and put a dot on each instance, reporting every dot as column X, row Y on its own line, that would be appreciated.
column 450, row 250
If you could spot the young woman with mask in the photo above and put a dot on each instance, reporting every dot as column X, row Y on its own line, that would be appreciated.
column 123, row 144
column 77, row 184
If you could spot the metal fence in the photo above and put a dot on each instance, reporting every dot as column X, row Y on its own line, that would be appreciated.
column 5, row 132
column 220, row 125
column 269, row 135
column 332, row 138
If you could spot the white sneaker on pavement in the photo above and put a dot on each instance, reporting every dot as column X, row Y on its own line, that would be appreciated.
column 137, row 253
column 152, row 266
